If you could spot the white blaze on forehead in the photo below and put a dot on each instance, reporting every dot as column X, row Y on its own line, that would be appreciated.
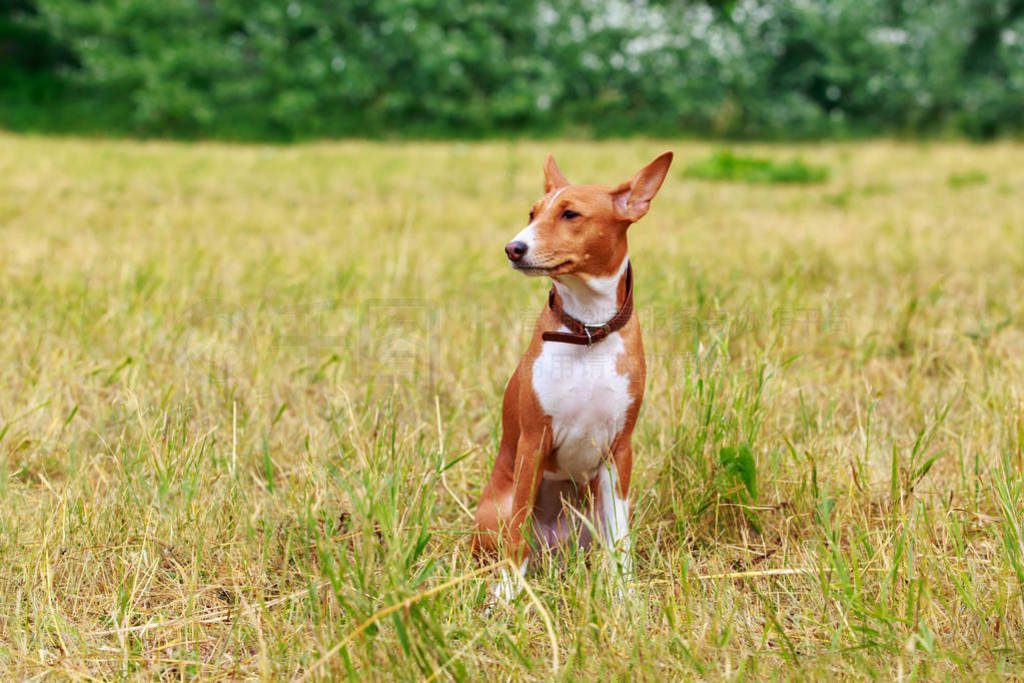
column 528, row 235
column 552, row 202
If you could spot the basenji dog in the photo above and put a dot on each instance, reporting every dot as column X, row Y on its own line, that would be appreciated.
column 564, row 462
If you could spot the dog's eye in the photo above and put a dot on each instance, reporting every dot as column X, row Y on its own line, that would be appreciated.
column 569, row 214
column 531, row 216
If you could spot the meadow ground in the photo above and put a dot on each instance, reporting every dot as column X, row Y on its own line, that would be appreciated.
column 249, row 395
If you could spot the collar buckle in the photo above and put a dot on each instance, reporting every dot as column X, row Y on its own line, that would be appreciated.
column 601, row 329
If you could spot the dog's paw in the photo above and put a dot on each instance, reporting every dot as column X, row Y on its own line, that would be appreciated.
column 623, row 590
column 623, row 579
column 623, row 585
column 506, row 588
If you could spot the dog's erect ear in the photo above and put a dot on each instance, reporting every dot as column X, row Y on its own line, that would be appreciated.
column 553, row 178
column 632, row 198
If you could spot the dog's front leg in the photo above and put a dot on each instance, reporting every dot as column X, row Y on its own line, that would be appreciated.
column 518, row 529
column 613, row 503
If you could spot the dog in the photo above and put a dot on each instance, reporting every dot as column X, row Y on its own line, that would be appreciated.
column 563, row 467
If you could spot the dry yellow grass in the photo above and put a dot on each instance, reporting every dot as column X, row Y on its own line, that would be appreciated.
column 246, row 394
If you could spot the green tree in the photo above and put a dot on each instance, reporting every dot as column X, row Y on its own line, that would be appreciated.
column 310, row 68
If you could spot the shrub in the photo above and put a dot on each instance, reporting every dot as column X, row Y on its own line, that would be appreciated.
column 968, row 177
column 726, row 165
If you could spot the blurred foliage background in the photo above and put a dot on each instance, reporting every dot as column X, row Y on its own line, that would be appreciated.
column 297, row 69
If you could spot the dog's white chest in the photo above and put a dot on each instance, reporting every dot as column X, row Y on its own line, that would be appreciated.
column 587, row 398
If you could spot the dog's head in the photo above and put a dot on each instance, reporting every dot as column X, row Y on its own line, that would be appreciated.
column 581, row 229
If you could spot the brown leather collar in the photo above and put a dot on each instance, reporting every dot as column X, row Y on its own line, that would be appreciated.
column 585, row 335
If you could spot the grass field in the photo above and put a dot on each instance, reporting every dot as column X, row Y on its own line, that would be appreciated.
column 248, row 397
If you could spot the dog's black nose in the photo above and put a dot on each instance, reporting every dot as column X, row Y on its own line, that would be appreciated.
column 515, row 250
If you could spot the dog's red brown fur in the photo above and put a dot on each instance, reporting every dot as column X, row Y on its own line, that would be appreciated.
column 590, row 245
